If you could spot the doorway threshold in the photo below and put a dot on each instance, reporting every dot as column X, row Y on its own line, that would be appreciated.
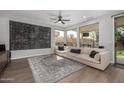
column 118, row 65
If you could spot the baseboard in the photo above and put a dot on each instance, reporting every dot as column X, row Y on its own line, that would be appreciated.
column 29, row 56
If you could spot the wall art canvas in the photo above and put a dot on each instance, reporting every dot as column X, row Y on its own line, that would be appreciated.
column 28, row 36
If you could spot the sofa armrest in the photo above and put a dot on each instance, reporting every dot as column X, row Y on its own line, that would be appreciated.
column 105, row 58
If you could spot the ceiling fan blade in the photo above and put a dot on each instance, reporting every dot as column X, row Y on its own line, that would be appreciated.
column 62, row 22
column 66, row 20
column 53, row 18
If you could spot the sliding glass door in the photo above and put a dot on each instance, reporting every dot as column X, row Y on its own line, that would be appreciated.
column 119, row 39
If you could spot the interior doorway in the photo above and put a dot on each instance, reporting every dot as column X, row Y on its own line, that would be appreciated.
column 119, row 39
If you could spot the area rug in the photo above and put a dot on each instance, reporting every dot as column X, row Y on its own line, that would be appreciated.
column 52, row 68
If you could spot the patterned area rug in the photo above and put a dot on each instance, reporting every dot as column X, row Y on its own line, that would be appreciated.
column 52, row 68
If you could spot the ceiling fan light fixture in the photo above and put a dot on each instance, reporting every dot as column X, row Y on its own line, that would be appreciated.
column 59, row 22
column 60, row 19
column 84, row 17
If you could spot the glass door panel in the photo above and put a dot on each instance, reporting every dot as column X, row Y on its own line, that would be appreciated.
column 119, row 39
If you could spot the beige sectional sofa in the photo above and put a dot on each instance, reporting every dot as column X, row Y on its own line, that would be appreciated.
column 100, row 61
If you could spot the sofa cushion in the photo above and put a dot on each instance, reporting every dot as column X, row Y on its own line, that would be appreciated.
column 87, row 58
column 93, row 53
column 87, row 50
column 75, row 51
column 73, row 54
column 99, row 50
column 58, row 51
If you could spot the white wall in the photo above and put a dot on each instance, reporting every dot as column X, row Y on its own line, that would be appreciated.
column 4, row 37
column 106, row 34
column 4, row 32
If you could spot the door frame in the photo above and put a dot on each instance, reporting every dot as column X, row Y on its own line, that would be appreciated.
column 114, row 37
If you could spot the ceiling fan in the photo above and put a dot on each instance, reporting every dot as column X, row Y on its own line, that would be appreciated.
column 59, row 18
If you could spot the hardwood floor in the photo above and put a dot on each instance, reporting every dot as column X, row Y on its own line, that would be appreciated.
column 92, row 75
column 19, row 72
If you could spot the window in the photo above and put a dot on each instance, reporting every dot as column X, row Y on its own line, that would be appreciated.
column 59, row 37
column 89, row 35
column 72, row 38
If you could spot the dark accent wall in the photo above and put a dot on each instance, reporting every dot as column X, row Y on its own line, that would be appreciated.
column 28, row 36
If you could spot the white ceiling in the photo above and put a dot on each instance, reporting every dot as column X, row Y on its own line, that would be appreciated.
column 76, row 16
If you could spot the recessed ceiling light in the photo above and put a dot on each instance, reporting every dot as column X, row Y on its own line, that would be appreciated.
column 84, row 17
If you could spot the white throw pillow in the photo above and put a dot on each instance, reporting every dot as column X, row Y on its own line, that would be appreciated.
column 97, row 57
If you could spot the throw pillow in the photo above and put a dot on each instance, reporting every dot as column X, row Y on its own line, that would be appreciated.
column 75, row 51
column 93, row 53
column 61, row 48
column 101, row 47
